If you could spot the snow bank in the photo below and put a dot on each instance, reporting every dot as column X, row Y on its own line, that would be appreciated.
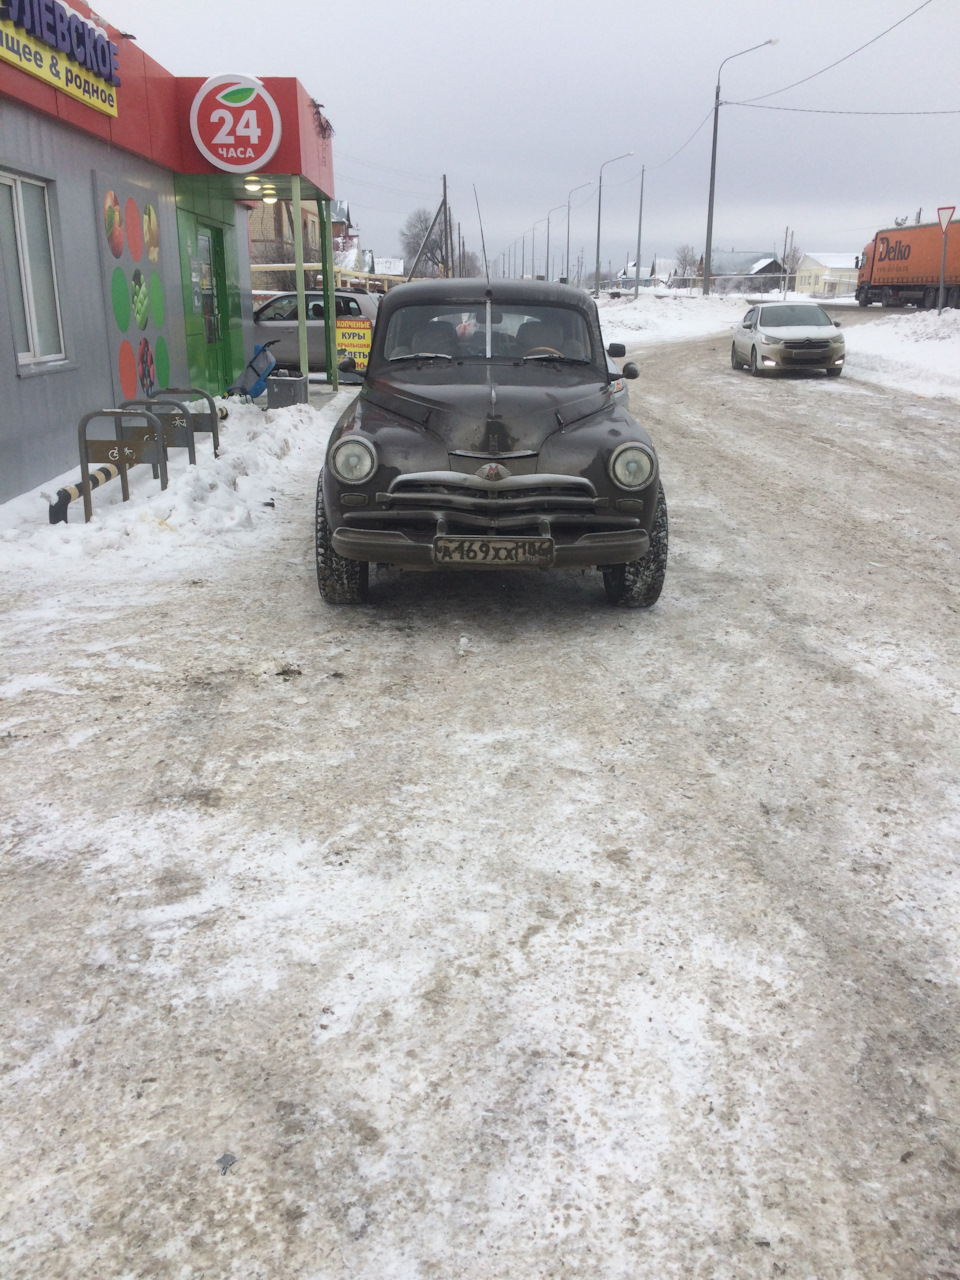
column 912, row 351
column 668, row 316
column 917, row 352
column 220, row 498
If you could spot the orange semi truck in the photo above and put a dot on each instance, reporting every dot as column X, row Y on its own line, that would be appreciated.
column 903, row 266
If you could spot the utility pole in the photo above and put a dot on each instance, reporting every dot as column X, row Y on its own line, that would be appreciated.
column 707, row 253
column 446, row 231
column 636, row 276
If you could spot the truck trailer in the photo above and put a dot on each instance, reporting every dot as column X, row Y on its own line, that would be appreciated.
column 902, row 266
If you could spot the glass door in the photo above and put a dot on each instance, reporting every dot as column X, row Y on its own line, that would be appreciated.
column 213, row 295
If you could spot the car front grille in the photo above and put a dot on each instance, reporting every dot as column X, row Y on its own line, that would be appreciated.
column 807, row 344
column 448, row 500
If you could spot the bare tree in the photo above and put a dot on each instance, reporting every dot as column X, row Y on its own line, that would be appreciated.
column 687, row 260
column 411, row 238
column 471, row 264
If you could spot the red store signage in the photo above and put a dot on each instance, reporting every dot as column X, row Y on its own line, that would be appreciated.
column 235, row 123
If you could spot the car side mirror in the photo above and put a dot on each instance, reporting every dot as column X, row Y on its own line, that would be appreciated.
column 836, row 324
column 617, row 350
column 630, row 370
column 348, row 365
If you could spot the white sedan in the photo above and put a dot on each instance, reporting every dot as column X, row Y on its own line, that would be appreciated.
column 787, row 335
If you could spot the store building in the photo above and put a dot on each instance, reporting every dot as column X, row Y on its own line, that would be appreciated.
column 124, row 200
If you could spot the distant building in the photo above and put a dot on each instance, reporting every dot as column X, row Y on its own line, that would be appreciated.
column 827, row 274
column 757, row 271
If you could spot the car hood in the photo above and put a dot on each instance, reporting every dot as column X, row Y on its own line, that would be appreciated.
column 795, row 332
column 490, row 418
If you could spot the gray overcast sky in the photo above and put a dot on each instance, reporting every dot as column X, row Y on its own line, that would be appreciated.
column 526, row 99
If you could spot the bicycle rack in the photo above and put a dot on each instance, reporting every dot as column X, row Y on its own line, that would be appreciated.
column 129, row 446
column 211, row 419
column 177, row 422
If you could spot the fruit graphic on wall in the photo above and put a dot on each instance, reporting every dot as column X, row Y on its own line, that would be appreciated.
column 131, row 222
column 151, row 232
column 113, row 223
column 140, row 298
column 146, row 368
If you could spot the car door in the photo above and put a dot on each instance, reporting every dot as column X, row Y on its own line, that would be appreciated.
column 276, row 322
column 743, row 336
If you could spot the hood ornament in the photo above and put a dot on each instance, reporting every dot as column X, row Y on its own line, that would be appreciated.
column 492, row 471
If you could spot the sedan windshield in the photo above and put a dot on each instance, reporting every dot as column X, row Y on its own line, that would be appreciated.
column 499, row 332
column 786, row 316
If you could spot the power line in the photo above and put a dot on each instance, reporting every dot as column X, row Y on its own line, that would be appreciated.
column 407, row 173
column 845, row 57
column 823, row 111
column 379, row 186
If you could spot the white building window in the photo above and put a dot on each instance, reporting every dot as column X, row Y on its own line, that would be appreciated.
column 29, row 275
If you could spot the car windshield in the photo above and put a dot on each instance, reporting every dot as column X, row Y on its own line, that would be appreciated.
column 786, row 316
column 514, row 332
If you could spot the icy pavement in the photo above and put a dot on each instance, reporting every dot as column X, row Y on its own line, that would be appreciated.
column 492, row 932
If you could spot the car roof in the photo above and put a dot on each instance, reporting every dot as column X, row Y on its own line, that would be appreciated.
column 471, row 291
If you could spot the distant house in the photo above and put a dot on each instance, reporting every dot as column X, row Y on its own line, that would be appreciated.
column 827, row 274
column 757, row 271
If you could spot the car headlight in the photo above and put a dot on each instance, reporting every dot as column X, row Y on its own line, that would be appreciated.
column 769, row 342
column 353, row 460
column 631, row 466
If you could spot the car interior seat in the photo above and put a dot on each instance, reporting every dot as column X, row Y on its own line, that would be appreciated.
column 438, row 337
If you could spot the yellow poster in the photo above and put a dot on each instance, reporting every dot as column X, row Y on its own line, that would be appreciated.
column 353, row 339
column 50, row 66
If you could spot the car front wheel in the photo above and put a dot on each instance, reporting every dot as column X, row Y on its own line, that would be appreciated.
column 735, row 360
column 341, row 581
column 637, row 584
column 754, row 367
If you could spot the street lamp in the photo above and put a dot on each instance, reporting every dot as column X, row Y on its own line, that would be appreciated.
column 580, row 188
column 533, row 248
column 636, row 273
column 713, row 162
column 596, row 278
column 553, row 210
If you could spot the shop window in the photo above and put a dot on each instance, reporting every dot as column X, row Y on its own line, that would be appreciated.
column 26, row 259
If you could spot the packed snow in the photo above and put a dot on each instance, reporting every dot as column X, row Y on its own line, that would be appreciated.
column 494, row 933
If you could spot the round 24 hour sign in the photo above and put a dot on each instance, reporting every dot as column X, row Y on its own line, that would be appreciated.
column 235, row 123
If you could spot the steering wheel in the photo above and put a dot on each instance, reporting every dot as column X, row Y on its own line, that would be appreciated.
column 544, row 351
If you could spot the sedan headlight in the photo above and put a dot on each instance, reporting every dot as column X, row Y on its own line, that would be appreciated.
column 353, row 460
column 769, row 342
column 631, row 466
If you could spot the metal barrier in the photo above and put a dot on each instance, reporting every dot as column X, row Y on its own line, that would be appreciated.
column 129, row 446
column 201, row 422
column 177, row 423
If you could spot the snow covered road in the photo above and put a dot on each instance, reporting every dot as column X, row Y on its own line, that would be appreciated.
column 494, row 932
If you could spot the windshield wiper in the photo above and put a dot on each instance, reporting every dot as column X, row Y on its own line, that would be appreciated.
column 421, row 355
column 548, row 355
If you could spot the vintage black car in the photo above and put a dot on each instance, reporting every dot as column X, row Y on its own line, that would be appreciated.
column 487, row 436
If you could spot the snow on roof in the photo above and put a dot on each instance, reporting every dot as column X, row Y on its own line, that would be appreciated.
column 838, row 261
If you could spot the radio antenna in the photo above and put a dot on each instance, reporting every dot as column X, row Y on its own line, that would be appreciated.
column 483, row 245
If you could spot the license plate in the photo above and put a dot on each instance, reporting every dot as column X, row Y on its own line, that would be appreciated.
column 487, row 551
